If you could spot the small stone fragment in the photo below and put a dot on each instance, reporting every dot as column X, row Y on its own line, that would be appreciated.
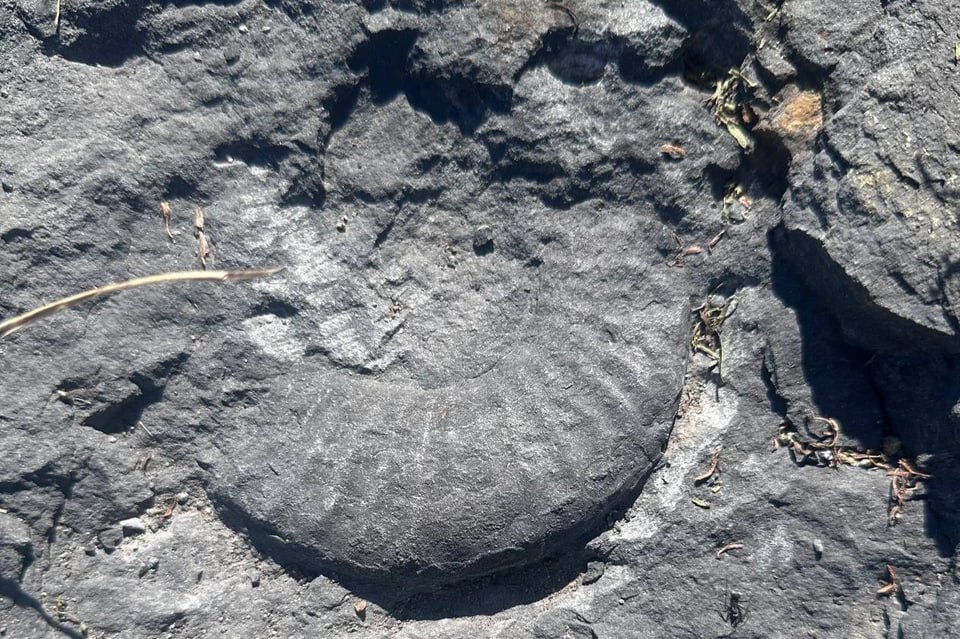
column 231, row 54
column 110, row 538
column 594, row 571
column 42, row 17
column 132, row 526
column 483, row 239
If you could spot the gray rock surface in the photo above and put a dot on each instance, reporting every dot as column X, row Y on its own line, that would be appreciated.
column 471, row 404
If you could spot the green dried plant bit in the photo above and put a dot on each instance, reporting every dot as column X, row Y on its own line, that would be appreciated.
column 740, row 134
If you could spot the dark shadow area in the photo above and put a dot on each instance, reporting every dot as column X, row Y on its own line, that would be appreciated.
column 122, row 416
column 720, row 37
column 458, row 100
column 576, row 62
column 636, row 69
column 912, row 376
column 15, row 234
column 386, row 58
column 98, row 34
column 862, row 321
column 835, row 371
column 180, row 187
column 771, row 160
column 425, row 592
column 12, row 591
column 778, row 405
column 272, row 305
column 339, row 104
column 719, row 178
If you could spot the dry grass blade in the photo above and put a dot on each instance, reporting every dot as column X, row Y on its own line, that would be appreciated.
column 16, row 323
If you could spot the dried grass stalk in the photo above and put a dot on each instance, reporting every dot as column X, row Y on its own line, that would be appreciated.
column 16, row 323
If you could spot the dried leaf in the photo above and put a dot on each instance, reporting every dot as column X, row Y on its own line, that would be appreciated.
column 714, row 467
column 674, row 151
column 740, row 134
column 165, row 213
column 203, row 250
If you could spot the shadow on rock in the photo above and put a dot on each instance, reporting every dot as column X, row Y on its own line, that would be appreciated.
column 902, row 395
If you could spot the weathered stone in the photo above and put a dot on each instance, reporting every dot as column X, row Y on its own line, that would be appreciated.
column 495, row 219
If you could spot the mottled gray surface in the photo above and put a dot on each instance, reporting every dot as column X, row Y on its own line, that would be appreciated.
column 467, row 406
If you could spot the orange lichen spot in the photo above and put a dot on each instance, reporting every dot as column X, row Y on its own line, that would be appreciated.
column 802, row 115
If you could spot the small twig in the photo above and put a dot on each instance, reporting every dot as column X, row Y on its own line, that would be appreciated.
column 144, row 427
column 891, row 585
column 716, row 238
column 728, row 548
column 714, row 468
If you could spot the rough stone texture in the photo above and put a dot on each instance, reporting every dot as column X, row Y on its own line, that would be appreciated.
column 467, row 406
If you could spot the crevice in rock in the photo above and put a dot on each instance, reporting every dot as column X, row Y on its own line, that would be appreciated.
column 575, row 61
column 718, row 178
column 98, row 34
column 122, row 416
column 720, row 38
column 771, row 161
column 908, row 374
column 15, row 234
column 862, row 320
column 339, row 105
column 768, row 374
column 65, row 486
column 385, row 57
column 272, row 305
column 834, row 369
column 252, row 153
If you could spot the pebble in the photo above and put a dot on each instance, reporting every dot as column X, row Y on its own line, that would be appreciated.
column 231, row 54
column 243, row 28
column 132, row 526
column 483, row 237
column 593, row 572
